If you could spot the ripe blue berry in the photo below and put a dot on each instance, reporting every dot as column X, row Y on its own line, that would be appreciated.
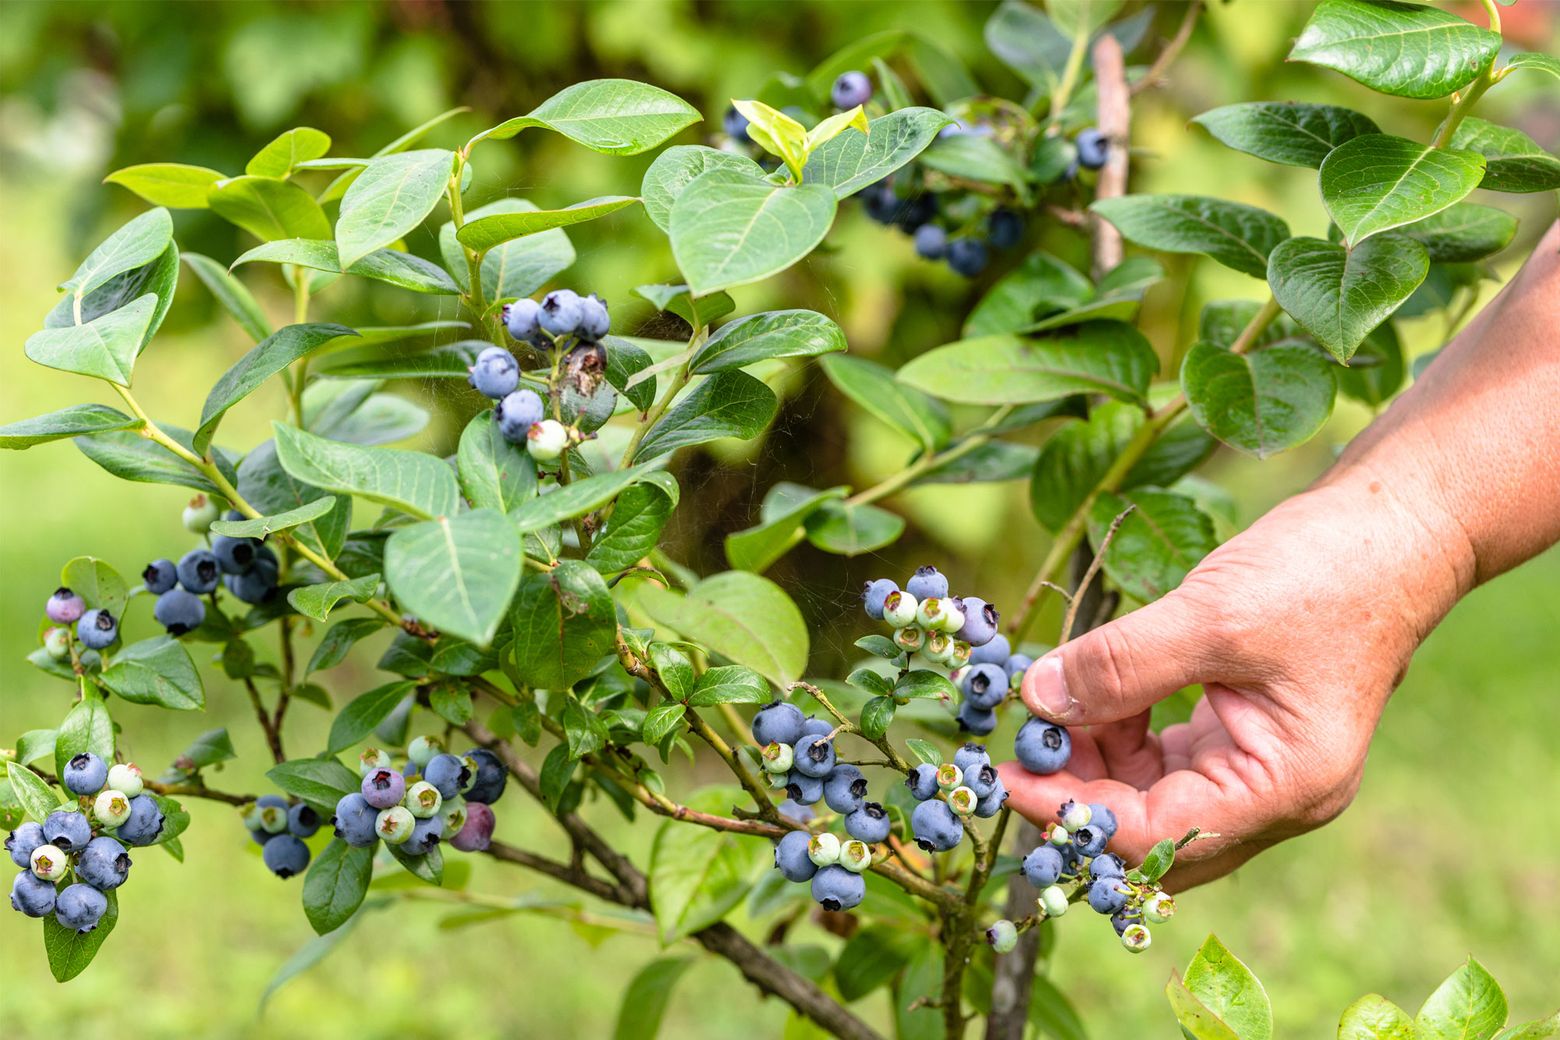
column 991, row 803
column 931, row 241
column 517, row 413
column 1016, row 665
column 967, row 256
column 880, row 202
column 160, row 576
column 851, row 89
column 845, row 789
column 1089, row 841
column 915, row 211
column 927, row 583
column 64, row 606
column 994, row 652
column 495, row 373
column 67, row 829
column 446, row 772
column 560, row 312
column 103, row 864
column 1107, row 865
column 521, row 317
column 935, row 826
column 258, row 584
column 778, row 722
column 1103, row 818
column 814, row 756
column 971, row 756
column 734, row 123
column 179, row 611
column 302, row 820
column 980, row 621
column 874, row 593
column 803, row 789
column 1093, row 148
column 1125, row 918
column 354, row 820
column 199, row 571
column 32, row 895
column 870, row 823
column 922, row 782
column 1107, row 895
column 491, row 776
column 1004, row 228
column 976, row 721
column 595, row 322
column 383, row 788
column 21, row 842
column 97, row 629
column 476, row 830
column 985, row 686
column 796, row 811
column 1043, row 866
column 426, row 833
column 1003, row 936
column 1042, row 747
column 85, row 773
column 234, row 555
column 836, row 888
column 816, row 727
column 145, row 822
column 791, row 858
column 80, row 908
column 982, row 779
column 285, row 855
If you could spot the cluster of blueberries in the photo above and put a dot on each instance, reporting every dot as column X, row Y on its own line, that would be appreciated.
column 1073, row 852
column 246, row 567
column 279, row 827
column 85, row 846
column 916, row 215
column 433, row 795
column 97, row 629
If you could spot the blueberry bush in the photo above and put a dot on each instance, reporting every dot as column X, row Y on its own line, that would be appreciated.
column 542, row 636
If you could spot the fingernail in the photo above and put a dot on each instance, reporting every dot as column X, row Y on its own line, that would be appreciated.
column 1046, row 687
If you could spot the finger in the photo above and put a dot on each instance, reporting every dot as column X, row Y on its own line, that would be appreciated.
column 1121, row 669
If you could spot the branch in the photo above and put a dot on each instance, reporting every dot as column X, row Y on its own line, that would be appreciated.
column 1155, row 74
column 1115, row 123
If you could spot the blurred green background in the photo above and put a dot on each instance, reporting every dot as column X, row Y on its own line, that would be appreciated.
column 1416, row 876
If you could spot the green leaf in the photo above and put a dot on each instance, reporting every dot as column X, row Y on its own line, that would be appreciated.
column 679, row 300
column 1374, row 383
column 317, row 601
column 1158, row 543
column 1081, row 17
column 1119, row 296
column 1339, row 295
column 270, row 489
column 872, row 682
column 674, row 669
column 175, row 185
column 230, row 292
column 156, row 671
column 365, row 711
column 516, row 268
column 660, row 721
column 1463, row 233
column 87, row 727
column 1075, row 457
column 727, row 229
column 457, row 573
column 674, row 169
column 925, row 750
column 265, row 360
column 1028, row 42
column 1041, row 286
column 876, row 716
column 872, row 957
column 339, row 640
column 992, row 462
column 785, row 507
column 645, row 999
column 391, row 266
column 1225, row 986
column 208, row 749
column 1469, row 1005
column 574, row 500
column 1513, row 161
column 1197, row 1022
column 392, row 196
column 336, row 883
column 1263, row 402
column 37, row 798
column 879, row 646
column 727, row 404
column 1236, row 235
column 322, row 782
column 339, row 186
column 697, row 875
column 311, row 953
column 847, row 529
column 415, row 361
column 136, row 244
column 1377, row 182
column 105, row 347
column 130, row 456
column 1538, row 1029
column 740, row 616
column 411, row 481
column 771, row 334
column 1052, row 1012
column 564, row 622
column 968, row 157
column 923, row 683
column 484, row 233
column 36, row 744
column 615, row 116
column 1374, row 1017
column 729, row 684
column 494, row 473
column 67, row 422
column 1534, row 60
column 265, row 526
column 850, row 162
column 1285, row 132
column 913, row 1019
column 428, row 868
column 1409, row 50
column 881, row 394
column 280, row 157
column 70, row 951
column 633, row 530
column 268, row 209
column 1107, row 357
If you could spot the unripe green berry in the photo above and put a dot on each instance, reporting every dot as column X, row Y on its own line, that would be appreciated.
column 199, row 514
column 421, row 749
column 959, row 656
column 909, row 639
column 454, row 813
column 962, row 801
column 1057, row 835
column 111, row 808
column 938, row 648
column 126, row 777
column 823, row 849
column 49, row 863
column 1136, row 938
column 56, row 643
column 547, row 440
column 855, row 855
column 949, row 776
column 372, row 759
column 273, row 819
column 1003, row 936
column 395, row 824
column 1052, row 901
column 250, row 814
column 899, row 609
column 931, row 612
column 952, row 616
column 423, row 800
column 777, row 781
column 1158, row 908
column 778, row 757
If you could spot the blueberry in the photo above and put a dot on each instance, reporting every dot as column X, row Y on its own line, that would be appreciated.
column 517, row 413
column 199, row 571
column 521, row 317
column 880, row 202
column 21, row 842
column 1090, row 840
column 111, row 807
column 1107, row 865
column 927, row 583
column 447, row 773
column 1016, row 665
column 383, row 788
column 814, row 756
column 994, row 652
column 845, row 789
column 900, row 608
column 823, row 849
column 804, row 789
column 491, row 776
column 234, row 555
column 1125, row 918
column 85, row 773
column 56, row 643
column 560, row 312
column 103, row 864
column 778, row 722
column 1107, row 895
column 258, row 836
column 595, row 322
column 80, row 908
column 1158, row 908
column 1003, row 936
column 421, row 749
column 796, row 811
column 49, row 862
column 545, row 441
column 931, row 242
column 373, row 758
column 791, row 858
column 985, row 686
column 976, row 721
column 354, row 819
column 145, row 822
column 991, row 804
column 1093, row 148
column 428, row 832
column 870, row 823
column 980, row 621
column 1103, row 818
column 962, row 800
column 302, row 821
column 160, row 576
column 97, row 629
column 32, row 895
column 1136, row 938
column 424, row 800
column 915, row 211
column 199, row 514
column 1074, row 815
column 971, row 756
column 836, row 888
column 851, row 89
column 285, row 855
column 922, row 782
column 967, row 256
column 1053, row 901
column 68, row 829
column 395, row 824
column 1072, row 863
column 734, row 123
column 476, row 831
column 816, row 727
column 453, row 813
column 935, row 826
column 873, row 593
column 1043, row 866
column 179, row 611
column 982, row 779
column 495, row 373
column 64, row 606
column 270, row 813
column 1004, row 228
column 855, row 855
column 1042, row 747
column 258, row 585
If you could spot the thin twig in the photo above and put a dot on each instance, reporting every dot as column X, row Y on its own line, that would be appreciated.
column 1156, row 71
column 1088, row 575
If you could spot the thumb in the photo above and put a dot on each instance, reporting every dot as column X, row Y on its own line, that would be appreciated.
column 1120, row 669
